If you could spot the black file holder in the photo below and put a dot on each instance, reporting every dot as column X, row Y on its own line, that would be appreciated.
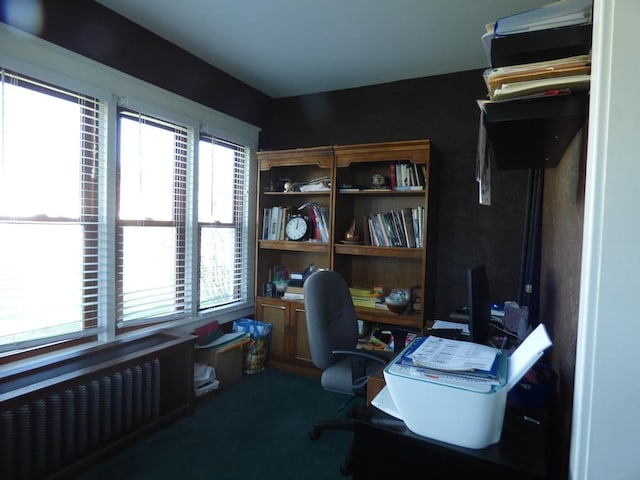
column 540, row 45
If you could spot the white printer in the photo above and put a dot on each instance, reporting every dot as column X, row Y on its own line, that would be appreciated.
column 445, row 406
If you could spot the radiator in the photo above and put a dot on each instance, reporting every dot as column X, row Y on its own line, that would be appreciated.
column 39, row 438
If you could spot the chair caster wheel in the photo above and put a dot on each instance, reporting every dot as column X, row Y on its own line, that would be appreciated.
column 345, row 468
column 314, row 434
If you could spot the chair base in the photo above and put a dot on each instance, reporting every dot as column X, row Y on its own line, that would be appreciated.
column 337, row 424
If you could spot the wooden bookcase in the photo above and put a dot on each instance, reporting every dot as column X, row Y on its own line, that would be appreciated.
column 348, row 200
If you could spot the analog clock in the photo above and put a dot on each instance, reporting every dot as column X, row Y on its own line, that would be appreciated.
column 297, row 228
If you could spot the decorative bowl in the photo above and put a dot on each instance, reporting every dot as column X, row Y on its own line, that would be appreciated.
column 395, row 308
column 398, row 300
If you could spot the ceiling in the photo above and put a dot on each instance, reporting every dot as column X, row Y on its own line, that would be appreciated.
column 295, row 47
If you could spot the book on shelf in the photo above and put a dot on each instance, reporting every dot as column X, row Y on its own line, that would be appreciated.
column 404, row 175
column 364, row 302
column 407, row 224
column 396, row 228
column 320, row 219
column 393, row 178
column 273, row 225
column 362, row 292
column 273, row 222
column 364, row 297
column 266, row 222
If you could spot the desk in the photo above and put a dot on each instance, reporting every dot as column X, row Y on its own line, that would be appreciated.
column 384, row 448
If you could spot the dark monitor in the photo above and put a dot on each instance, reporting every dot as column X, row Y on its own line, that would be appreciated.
column 479, row 303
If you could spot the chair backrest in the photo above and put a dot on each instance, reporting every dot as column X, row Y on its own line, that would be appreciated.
column 332, row 323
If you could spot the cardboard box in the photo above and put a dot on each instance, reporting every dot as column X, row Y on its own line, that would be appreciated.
column 227, row 361
column 375, row 383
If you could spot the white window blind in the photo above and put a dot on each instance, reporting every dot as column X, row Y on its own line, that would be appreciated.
column 51, row 149
column 82, row 254
column 223, row 192
column 153, row 186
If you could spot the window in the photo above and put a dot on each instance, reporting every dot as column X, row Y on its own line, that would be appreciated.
column 114, row 210
column 50, row 168
column 223, row 188
column 152, row 172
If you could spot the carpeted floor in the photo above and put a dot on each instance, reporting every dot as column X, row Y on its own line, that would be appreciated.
column 257, row 428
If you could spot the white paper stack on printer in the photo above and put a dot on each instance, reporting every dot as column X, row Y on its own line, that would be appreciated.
column 449, row 406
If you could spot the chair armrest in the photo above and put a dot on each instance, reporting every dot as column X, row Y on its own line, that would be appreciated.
column 368, row 355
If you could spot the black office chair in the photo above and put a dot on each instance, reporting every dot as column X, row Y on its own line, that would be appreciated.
column 332, row 327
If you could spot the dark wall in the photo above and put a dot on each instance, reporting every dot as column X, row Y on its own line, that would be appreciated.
column 91, row 30
column 444, row 110
column 562, row 225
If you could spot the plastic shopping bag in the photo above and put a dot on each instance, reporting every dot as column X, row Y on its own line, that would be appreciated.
column 255, row 351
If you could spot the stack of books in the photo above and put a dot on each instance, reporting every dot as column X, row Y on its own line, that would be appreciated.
column 364, row 297
column 396, row 228
column 293, row 293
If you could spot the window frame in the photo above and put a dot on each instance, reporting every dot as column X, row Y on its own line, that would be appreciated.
column 30, row 56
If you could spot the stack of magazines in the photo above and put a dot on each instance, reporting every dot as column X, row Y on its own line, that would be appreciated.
column 455, row 363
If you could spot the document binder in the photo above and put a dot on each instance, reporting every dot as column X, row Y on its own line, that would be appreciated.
column 540, row 45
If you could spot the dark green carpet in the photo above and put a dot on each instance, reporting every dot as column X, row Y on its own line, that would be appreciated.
column 257, row 428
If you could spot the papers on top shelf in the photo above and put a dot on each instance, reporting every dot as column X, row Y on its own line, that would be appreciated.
column 542, row 87
column 563, row 67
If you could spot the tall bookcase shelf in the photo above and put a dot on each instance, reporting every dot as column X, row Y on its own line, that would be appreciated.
column 357, row 184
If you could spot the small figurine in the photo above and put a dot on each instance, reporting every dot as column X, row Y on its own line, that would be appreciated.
column 352, row 234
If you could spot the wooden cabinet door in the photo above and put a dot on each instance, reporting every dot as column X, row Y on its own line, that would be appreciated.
column 301, row 352
column 275, row 312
